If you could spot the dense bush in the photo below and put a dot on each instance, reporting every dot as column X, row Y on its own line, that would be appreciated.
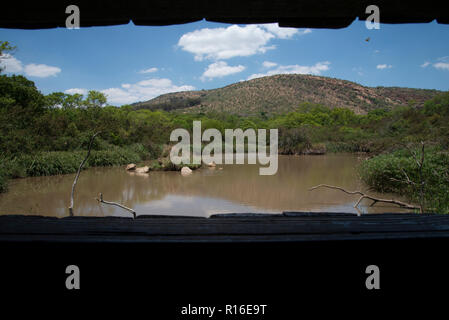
column 398, row 172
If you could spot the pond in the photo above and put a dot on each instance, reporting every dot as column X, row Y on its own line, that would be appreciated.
column 223, row 189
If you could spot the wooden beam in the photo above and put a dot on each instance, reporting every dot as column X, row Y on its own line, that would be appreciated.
column 287, row 227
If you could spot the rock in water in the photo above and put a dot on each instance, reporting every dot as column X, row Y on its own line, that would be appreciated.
column 131, row 166
column 211, row 164
column 145, row 169
column 185, row 171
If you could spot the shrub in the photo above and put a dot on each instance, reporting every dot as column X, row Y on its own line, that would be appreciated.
column 389, row 172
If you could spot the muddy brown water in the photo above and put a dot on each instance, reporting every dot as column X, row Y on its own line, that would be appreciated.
column 232, row 189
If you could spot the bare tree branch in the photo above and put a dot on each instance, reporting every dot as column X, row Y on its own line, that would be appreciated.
column 417, row 186
column 421, row 179
column 338, row 188
column 407, row 179
column 392, row 201
column 115, row 204
column 78, row 173
column 365, row 196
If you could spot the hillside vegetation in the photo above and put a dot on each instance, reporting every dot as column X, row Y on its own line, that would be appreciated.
column 283, row 93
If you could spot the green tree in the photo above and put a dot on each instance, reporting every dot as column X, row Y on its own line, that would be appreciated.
column 20, row 105
column 95, row 99
column 5, row 47
column 72, row 101
column 55, row 99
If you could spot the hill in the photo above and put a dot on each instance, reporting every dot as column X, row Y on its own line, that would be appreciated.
column 283, row 93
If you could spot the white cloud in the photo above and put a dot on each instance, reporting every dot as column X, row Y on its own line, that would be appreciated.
column 76, row 90
column 384, row 66
column 306, row 31
column 13, row 65
column 316, row 69
column 41, row 70
column 220, row 69
column 441, row 65
column 120, row 96
column 10, row 64
column 283, row 33
column 234, row 41
column 269, row 64
column 142, row 90
column 156, row 83
column 225, row 43
column 149, row 70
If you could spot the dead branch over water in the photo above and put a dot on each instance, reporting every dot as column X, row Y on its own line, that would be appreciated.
column 115, row 204
column 78, row 173
column 366, row 196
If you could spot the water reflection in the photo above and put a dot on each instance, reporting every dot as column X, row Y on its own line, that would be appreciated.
column 235, row 188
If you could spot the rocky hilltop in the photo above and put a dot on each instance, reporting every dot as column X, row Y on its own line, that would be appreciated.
column 283, row 93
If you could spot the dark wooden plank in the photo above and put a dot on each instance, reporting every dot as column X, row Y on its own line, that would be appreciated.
column 289, row 226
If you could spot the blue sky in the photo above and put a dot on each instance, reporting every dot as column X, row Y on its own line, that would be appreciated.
column 134, row 63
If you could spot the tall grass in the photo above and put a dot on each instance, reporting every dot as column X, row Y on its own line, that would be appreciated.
column 63, row 162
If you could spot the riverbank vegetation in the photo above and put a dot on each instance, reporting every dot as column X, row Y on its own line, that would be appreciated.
column 48, row 134
column 420, row 174
column 418, row 171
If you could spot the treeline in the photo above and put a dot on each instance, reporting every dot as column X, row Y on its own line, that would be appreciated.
column 32, row 122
